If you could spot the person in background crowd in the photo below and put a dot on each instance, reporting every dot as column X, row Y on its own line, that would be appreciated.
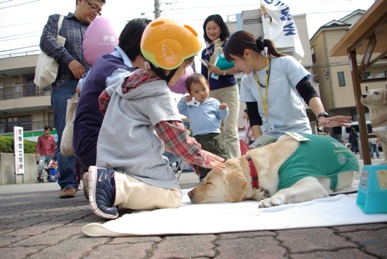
column 353, row 140
column 45, row 150
column 223, row 84
column 72, row 66
column 374, row 143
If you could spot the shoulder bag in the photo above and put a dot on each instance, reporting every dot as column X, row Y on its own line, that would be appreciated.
column 46, row 69
column 66, row 143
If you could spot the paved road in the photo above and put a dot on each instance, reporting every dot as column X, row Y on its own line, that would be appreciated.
column 35, row 223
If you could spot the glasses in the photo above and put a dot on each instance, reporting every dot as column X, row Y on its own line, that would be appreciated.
column 94, row 8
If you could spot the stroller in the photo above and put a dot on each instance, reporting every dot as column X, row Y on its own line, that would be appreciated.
column 50, row 172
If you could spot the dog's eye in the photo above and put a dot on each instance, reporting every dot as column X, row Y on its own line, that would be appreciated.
column 376, row 93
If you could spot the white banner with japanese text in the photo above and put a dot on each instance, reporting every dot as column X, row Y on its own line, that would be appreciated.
column 279, row 25
column 19, row 149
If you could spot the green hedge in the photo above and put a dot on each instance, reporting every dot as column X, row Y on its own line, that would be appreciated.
column 6, row 145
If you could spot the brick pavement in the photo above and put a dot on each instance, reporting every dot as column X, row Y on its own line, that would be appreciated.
column 35, row 223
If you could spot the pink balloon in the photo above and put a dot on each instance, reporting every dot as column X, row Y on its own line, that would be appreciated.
column 180, row 87
column 100, row 38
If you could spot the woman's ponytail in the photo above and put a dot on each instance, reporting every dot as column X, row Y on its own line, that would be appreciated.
column 242, row 40
column 271, row 50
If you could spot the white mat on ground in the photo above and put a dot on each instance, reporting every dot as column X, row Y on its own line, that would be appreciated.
column 236, row 217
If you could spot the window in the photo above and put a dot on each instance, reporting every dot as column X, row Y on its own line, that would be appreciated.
column 21, row 121
column 51, row 119
column 313, row 55
column 315, row 78
column 11, row 91
column 31, row 87
column 2, row 125
column 341, row 77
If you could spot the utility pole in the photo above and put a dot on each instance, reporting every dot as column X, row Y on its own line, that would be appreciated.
column 157, row 9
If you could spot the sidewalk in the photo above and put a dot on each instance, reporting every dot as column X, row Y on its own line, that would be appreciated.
column 35, row 223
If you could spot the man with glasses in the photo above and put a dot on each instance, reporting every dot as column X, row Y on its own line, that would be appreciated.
column 72, row 66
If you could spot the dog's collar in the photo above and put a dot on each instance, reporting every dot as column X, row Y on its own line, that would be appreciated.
column 253, row 174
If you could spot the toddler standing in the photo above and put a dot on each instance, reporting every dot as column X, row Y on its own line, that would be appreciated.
column 205, row 115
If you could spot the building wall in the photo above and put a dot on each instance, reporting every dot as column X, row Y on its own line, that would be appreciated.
column 338, row 99
column 7, row 169
column 251, row 21
column 320, row 69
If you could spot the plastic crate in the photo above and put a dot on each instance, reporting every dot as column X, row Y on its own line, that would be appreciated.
column 372, row 192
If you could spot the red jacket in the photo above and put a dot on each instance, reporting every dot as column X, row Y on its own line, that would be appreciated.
column 46, row 146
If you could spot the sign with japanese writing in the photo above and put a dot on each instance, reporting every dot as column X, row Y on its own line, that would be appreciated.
column 279, row 25
column 19, row 149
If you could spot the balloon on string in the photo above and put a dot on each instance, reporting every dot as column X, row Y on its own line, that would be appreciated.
column 180, row 87
column 99, row 39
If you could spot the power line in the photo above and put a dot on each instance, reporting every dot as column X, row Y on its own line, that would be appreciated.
column 10, row 6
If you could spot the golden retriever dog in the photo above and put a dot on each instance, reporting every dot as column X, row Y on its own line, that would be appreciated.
column 376, row 101
column 283, row 172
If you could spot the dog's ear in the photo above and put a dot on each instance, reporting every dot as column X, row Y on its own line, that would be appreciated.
column 236, row 186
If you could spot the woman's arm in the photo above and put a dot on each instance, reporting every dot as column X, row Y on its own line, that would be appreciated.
column 255, row 118
column 310, row 96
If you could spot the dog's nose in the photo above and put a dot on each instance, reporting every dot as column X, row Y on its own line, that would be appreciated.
column 363, row 95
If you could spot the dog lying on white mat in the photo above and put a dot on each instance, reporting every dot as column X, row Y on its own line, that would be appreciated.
column 287, row 171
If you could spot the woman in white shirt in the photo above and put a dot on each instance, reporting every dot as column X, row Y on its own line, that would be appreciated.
column 275, row 88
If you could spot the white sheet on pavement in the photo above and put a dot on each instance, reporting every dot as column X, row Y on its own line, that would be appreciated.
column 236, row 217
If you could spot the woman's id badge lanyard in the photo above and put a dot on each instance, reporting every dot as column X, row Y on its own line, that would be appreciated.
column 266, row 127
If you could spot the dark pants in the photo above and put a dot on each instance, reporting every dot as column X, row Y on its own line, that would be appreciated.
column 211, row 142
column 354, row 147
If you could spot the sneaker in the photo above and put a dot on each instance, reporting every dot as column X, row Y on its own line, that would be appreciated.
column 102, row 192
column 67, row 193
column 85, row 181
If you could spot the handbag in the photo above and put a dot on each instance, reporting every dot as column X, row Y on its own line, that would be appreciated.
column 66, row 143
column 46, row 69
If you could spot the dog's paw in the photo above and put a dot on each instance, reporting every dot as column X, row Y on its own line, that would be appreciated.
column 271, row 202
column 263, row 192
column 260, row 194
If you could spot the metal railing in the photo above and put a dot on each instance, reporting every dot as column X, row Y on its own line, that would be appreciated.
column 34, row 91
column 6, row 128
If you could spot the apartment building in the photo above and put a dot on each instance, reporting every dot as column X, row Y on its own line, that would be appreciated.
column 334, row 73
column 22, row 103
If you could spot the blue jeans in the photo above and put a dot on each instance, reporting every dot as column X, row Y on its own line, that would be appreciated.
column 374, row 149
column 42, row 161
column 62, row 90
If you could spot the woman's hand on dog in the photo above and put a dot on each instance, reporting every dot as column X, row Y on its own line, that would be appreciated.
column 334, row 121
column 217, row 162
